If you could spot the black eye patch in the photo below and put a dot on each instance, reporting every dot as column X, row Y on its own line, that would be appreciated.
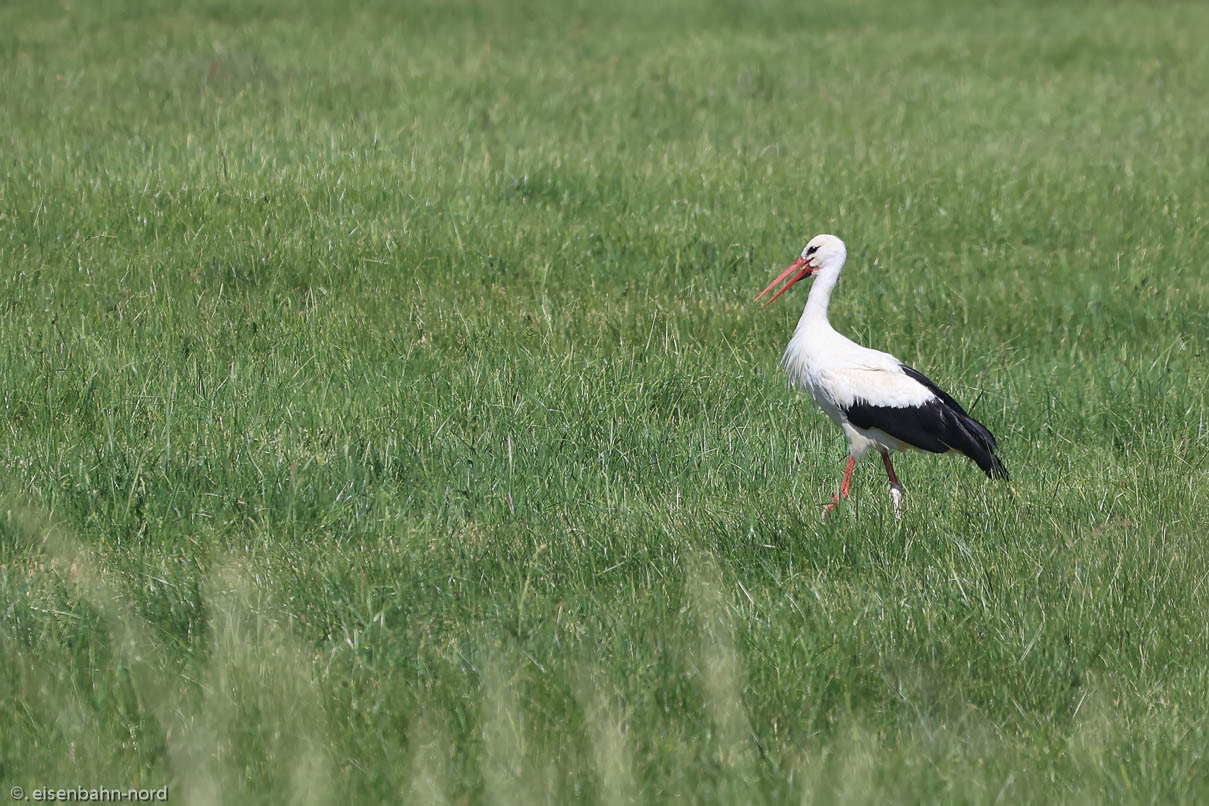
column 812, row 250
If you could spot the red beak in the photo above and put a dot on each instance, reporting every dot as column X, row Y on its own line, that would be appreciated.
column 805, row 270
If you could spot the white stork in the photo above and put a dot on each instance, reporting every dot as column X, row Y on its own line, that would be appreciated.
column 876, row 399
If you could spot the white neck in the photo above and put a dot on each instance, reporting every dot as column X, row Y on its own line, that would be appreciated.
column 819, row 298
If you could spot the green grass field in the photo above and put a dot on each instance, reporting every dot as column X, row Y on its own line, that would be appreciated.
column 385, row 416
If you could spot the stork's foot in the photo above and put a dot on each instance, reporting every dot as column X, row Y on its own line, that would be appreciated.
column 896, row 495
column 844, row 486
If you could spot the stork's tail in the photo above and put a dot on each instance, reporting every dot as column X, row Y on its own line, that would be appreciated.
column 972, row 438
column 962, row 432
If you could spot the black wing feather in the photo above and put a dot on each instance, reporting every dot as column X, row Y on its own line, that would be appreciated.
column 935, row 426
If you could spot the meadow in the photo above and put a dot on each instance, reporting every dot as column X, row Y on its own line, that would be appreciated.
column 385, row 416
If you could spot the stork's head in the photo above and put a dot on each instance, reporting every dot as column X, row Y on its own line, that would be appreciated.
column 821, row 253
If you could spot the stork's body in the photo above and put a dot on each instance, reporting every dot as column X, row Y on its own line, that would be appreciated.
column 878, row 401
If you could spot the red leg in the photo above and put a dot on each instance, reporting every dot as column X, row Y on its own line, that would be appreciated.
column 896, row 489
column 847, row 483
column 889, row 468
column 845, row 486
